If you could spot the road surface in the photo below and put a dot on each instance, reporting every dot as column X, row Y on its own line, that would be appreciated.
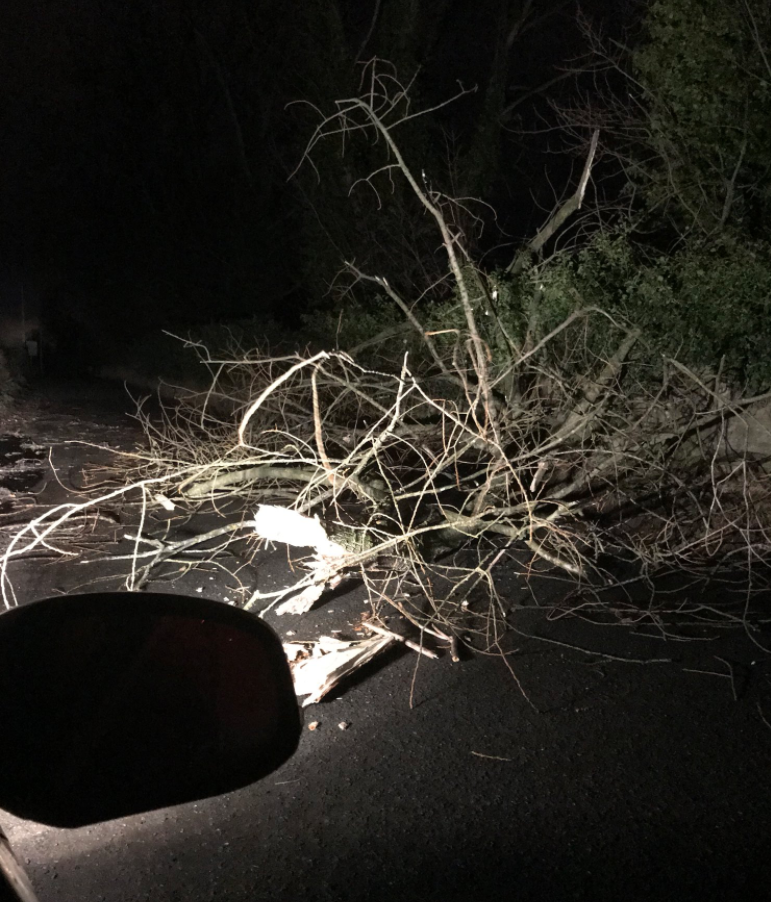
column 611, row 780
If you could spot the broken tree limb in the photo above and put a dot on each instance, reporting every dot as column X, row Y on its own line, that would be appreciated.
column 555, row 222
column 586, row 411
column 426, row 652
column 194, row 487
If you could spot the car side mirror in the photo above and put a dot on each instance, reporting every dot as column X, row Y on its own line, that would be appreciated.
column 116, row 703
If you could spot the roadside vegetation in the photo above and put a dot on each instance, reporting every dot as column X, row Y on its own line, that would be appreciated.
column 593, row 403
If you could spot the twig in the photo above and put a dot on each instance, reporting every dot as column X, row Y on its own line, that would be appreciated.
column 588, row 651
column 255, row 406
column 513, row 673
column 175, row 548
column 730, row 675
column 453, row 639
column 426, row 652
column 491, row 757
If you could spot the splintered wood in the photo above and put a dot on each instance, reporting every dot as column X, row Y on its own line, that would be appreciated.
column 318, row 666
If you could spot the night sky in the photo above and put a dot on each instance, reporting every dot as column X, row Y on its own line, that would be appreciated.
column 145, row 146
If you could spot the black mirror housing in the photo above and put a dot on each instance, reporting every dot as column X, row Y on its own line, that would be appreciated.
column 116, row 703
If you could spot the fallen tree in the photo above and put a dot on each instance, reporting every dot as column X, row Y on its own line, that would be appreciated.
column 485, row 439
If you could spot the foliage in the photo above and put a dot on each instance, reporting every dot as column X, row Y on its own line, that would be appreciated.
column 683, row 249
column 705, row 90
column 347, row 324
column 709, row 304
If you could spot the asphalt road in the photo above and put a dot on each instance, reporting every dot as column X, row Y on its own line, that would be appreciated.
column 614, row 781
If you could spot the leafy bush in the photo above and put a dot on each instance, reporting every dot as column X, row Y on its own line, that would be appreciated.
column 349, row 322
column 705, row 81
column 708, row 304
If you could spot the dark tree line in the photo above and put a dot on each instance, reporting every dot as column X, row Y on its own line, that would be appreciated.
column 145, row 147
